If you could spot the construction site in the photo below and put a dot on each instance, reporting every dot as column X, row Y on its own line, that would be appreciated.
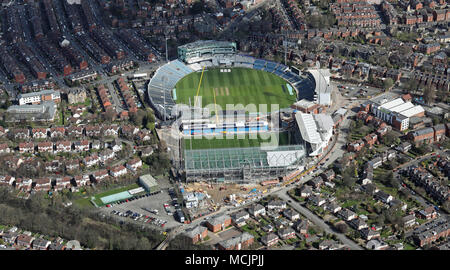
column 202, row 198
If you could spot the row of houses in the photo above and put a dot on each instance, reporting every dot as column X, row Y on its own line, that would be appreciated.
column 436, row 15
column 127, row 95
column 431, row 231
column 139, row 47
column 66, row 182
column 356, row 13
column 60, row 132
column 65, row 146
column 421, row 177
column 26, row 240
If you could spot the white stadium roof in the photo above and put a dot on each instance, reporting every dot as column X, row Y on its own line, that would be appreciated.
column 283, row 158
column 322, row 78
column 308, row 128
column 314, row 128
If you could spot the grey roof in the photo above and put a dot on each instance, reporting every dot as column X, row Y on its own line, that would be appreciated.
column 257, row 207
column 40, row 242
column 238, row 215
column 409, row 218
column 346, row 213
column 306, row 188
column 276, row 203
column 195, row 231
column 236, row 240
column 439, row 127
column 289, row 212
column 285, row 231
column 423, row 131
column 218, row 219
column 430, row 228
column 269, row 237
column 382, row 194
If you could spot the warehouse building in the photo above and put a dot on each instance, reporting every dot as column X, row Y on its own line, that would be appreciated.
column 149, row 183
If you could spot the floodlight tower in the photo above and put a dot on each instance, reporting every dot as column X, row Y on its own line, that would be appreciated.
column 164, row 80
column 167, row 54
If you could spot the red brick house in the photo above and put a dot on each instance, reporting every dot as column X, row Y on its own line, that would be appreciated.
column 197, row 234
column 439, row 15
column 439, row 132
column 428, row 213
column 218, row 223
column 421, row 136
column 355, row 146
column 370, row 139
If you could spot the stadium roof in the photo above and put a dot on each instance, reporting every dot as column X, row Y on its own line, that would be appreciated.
column 322, row 79
column 324, row 122
column 237, row 158
column 284, row 158
column 308, row 128
column 304, row 103
column 202, row 43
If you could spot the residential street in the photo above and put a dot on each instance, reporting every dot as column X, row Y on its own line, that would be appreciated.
column 318, row 221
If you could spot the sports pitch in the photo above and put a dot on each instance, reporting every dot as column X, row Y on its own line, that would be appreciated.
column 234, row 142
column 240, row 86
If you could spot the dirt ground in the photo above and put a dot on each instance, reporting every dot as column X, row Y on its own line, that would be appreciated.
column 218, row 195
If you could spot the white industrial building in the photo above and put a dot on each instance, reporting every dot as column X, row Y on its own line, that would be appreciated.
column 316, row 130
column 395, row 111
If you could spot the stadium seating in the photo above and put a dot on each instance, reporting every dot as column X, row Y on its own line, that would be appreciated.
column 167, row 76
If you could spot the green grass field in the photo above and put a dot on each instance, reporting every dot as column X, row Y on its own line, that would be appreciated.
column 240, row 86
column 236, row 142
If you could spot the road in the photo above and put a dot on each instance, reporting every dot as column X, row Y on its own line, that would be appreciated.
column 318, row 221
column 282, row 192
column 415, row 162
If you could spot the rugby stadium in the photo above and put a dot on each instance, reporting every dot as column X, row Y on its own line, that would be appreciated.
column 227, row 106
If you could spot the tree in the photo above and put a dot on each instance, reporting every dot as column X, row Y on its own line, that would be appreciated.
column 388, row 83
column 390, row 138
column 138, row 117
column 162, row 146
column 429, row 94
column 342, row 227
column 412, row 85
column 109, row 115
column 380, row 220
column 392, row 181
